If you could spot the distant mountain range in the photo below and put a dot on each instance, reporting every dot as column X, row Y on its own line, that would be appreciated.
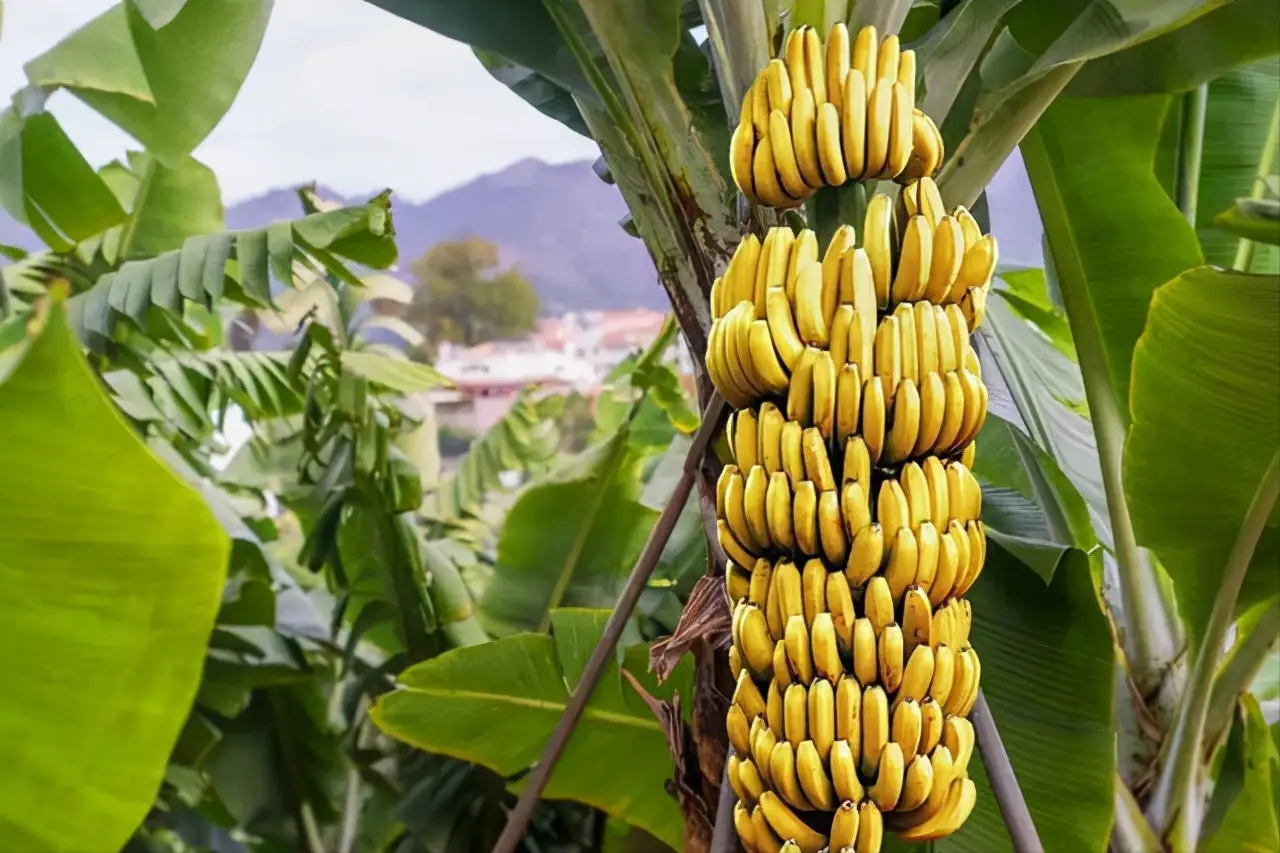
column 559, row 225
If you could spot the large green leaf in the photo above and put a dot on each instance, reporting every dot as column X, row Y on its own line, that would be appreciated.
column 113, row 572
column 496, row 704
column 165, row 87
column 571, row 539
column 1205, row 397
column 1250, row 820
column 169, row 205
column 1113, row 232
column 1047, row 674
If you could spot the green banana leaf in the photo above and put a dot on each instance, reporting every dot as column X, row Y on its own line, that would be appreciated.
column 1204, row 429
column 113, row 570
column 1245, row 811
column 570, row 540
column 496, row 704
column 167, row 88
column 1257, row 220
column 166, row 206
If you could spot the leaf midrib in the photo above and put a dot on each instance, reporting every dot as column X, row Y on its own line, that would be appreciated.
column 537, row 704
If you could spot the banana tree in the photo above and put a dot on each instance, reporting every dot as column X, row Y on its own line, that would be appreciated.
column 1104, row 612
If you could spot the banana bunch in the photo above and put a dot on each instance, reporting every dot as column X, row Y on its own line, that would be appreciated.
column 822, row 115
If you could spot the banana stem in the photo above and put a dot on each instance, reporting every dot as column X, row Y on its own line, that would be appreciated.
column 1004, row 783
column 1266, row 162
column 1175, row 805
column 1191, row 150
column 724, row 838
column 602, row 655
column 1130, row 833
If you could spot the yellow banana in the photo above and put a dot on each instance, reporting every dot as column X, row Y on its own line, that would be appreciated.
column 795, row 715
column 844, row 826
column 848, row 403
column 975, row 406
column 887, row 59
column 840, row 606
column 977, row 268
column 782, row 770
column 822, row 715
column 857, row 462
column 888, row 785
column 948, row 254
column 944, row 660
column 792, row 441
column 717, row 298
column 769, row 438
column 787, row 824
column 874, row 416
column 916, row 489
column 904, row 560
column 804, row 251
column 878, row 604
column 943, row 776
column 797, row 70
column 930, row 725
column 965, row 493
column 830, row 153
column 888, row 356
column 735, row 661
column 815, row 64
column 736, row 583
column 964, row 680
column 957, row 734
column 736, row 722
column 907, row 73
column 775, row 713
column 838, row 334
column 905, row 314
column 786, row 579
column 801, row 658
column 917, row 678
column 890, row 657
column 870, row 828
column 746, row 695
column 731, row 771
column 808, row 306
column 800, row 394
column 961, row 798
column 948, row 565
column 933, row 408
column 757, row 646
column 853, row 124
column 742, row 148
column 879, row 126
column 831, row 533
column 813, row 777
column 959, row 333
column 784, row 155
column 969, row 454
column 765, row 175
column 905, row 730
column 732, row 548
column 928, row 356
column 935, row 475
column 824, row 399
column 858, row 288
column 891, row 508
column 866, row 555
column 866, row 46
column 927, row 148
column 917, row 782
column 773, row 608
column 906, row 422
column 844, row 767
column 976, row 556
column 875, row 728
column 953, row 411
column 777, row 510
column 765, row 839
column 740, row 319
column 779, row 86
column 931, row 201
column 804, row 509
column 817, row 465
column 855, row 508
column 928, row 542
column 782, row 328
column 825, row 648
column 742, row 825
column 877, row 240
column 754, row 504
column 866, row 663
column 838, row 53
column 764, row 358
column 763, row 739
column 745, row 439
column 917, row 620
column 848, row 717
column 900, row 131
column 783, row 677
column 735, row 514
column 804, row 139
column 718, row 368
column 740, row 275
column 972, row 696
column 813, row 589
column 915, row 261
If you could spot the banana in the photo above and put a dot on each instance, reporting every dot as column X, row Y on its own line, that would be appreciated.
column 977, row 268
column 838, row 50
column 783, row 677
column 808, row 306
column 853, row 123
column 797, row 70
column 977, row 556
column 717, row 298
column 786, row 823
column 866, row 662
column 742, row 148
column 822, row 715
column 779, row 86
column 917, row 782
column 891, row 508
column 915, row 261
column 784, row 154
column 968, row 226
column 844, row 826
column 731, row 772
column 900, row 129
column 866, row 46
column 959, row 333
column 746, row 695
column 765, row 839
column 931, row 201
column 844, row 767
column 750, row 780
column 887, row 788
column 804, row 251
column 948, row 254
column 830, row 153
column 875, row 728
column 888, row 356
column 740, row 275
column 965, row 493
column 753, row 501
column 848, row 717
column 763, row 739
column 907, row 73
column 835, row 544
column 732, row 548
column 804, row 139
column 951, row 545
column 782, row 770
column 929, row 555
column 906, row 422
column 948, row 357
column 890, row 657
column 769, row 437
column 917, row 678
column 773, row 609
column 905, row 730
column 965, row 678
column 878, row 604
column 866, row 555
column 757, row 647
column 736, row 583
column 792, row 452
column 975, row 406
column 877, row 237
column 774, row 711
column 935, row 475
column 765, row 361
column 765, row 175
column 943, row 775
column 790, row 594
column 957, row 807
column 905, row 314
column 887, row 59
column 916, row 489
column 857, row 462
column 953, row 411
column 735, row 661
column 870, row 828
column 813, row 777
column 815, row 64
column 795, row 717
column 825, row 648
column 840, row 606
column 742, row 824
column 824, row 398
column 778, row 512
column 805, row 518
column 848, row 402
column 800, row 393
column 717, row 367
column 969, row 454
column 928, row 355
column 855, row 508
column 957, row 734
column 817, row 464
column 745, row 434
column 930, row 725
column 879, row 126
column 977, row 684
column 944, row 672
column 873, row 417
column 838, row 334
column 904, row 560
column 735, row 515
column 736, row 723
column 933, row 406
column 946, row 627
column 782, row 328
column 917, row 620
column 800, row 656
column 813, row 589
column 927, row 148
column 739, row 331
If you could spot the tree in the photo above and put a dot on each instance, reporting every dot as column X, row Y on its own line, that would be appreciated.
column 462, row 297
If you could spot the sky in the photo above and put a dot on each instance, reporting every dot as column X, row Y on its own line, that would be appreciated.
column 342, row 93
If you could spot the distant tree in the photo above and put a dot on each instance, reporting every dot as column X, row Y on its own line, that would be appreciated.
column 462, row 297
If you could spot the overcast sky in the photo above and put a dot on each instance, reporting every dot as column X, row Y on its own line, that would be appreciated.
column 342, row 93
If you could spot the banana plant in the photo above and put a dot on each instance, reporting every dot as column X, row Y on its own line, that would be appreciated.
column 1081, row 455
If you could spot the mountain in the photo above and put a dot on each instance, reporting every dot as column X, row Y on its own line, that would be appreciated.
column 558, row 223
